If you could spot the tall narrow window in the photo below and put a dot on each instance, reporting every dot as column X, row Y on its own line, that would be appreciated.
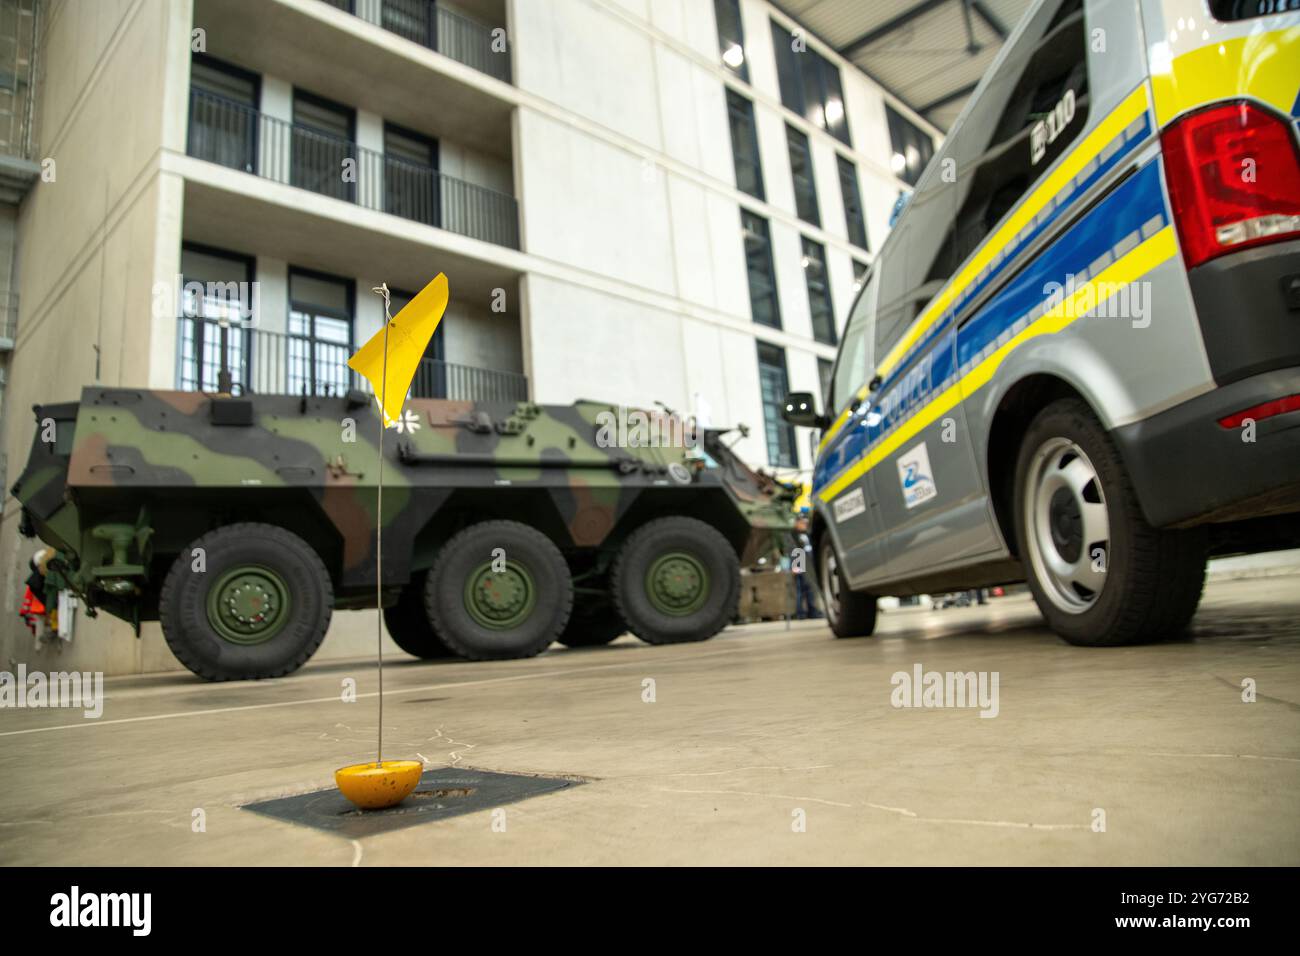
column 215, row 287
column 763, row 302
column 819, row 292
column 320, row 333
column 913, row 147
column 411, row 175
column 223, row 114
column 852, row 198
column 744, row 144
column 861, row 272
column 810, row 84
column 801, row 170
column 774, row 385
column 731, row 37
column 825, row 368
column 322, row 140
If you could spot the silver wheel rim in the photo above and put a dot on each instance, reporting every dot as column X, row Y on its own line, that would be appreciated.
column 831, row 585
column 1067, row 525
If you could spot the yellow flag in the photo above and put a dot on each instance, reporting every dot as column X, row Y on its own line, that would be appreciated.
column 409, row 333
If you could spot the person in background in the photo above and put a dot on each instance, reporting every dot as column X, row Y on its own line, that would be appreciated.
column 805, row 604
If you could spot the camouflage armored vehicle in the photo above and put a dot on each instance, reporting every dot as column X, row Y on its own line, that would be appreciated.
column 240, row 523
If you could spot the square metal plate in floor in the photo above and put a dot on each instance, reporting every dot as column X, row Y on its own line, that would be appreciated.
column 442, row 793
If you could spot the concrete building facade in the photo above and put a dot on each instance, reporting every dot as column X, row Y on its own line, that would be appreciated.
column 634, row 200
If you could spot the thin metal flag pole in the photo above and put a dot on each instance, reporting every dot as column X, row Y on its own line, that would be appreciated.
column 379, row 532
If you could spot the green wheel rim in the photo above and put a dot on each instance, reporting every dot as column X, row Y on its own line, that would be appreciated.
column 677, row 583
column 500, row 600
column 249, row 604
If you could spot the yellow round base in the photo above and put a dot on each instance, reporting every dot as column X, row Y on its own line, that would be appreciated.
column 373, row 786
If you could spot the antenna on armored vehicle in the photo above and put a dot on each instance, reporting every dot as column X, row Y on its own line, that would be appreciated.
column 390, row 358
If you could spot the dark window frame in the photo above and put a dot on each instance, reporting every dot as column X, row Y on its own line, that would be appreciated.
column 855, row 225
column 733, row 97
column 254, row 133
column 800, row 72
column 350, row 140
column 769, row 263
column 435, row 163
column 898, row 125
column 741, row 71
column 826, row 335
column 311, row 308
column 806, row 205
column 246, row 341
column 774, row 426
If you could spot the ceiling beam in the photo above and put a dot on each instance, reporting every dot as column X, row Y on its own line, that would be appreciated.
column 989, row 17
column 889, row 26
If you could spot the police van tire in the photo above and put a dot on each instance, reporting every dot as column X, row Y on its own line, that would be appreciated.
column 257, row 606
column 1100, row 574
column 409, row 626
column 593, row 628
column 696, row 581
column 490, row 613
column 849, row 613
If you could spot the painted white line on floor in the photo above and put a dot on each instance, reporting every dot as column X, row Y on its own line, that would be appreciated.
column 334, row 698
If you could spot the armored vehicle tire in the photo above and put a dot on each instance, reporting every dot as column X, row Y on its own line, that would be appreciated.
column 484, row 613
column 676, row 580
column 1099, row 573
column 258, row 606
column 592, row 628
column 849, row 613
column 409, row 626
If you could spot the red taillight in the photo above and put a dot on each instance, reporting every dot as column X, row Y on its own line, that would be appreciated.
column 1234, row 179
column 1278, row 406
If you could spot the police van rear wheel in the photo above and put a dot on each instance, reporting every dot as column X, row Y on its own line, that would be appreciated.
column 676, row 580
column 849, row 613
column 498, row 590
column 409, row 626
column 1099, row 573
column 246, row 601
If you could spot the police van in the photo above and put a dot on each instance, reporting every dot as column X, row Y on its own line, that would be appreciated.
column 1077, row 359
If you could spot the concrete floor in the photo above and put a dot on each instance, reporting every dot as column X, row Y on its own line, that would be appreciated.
column 745, row 731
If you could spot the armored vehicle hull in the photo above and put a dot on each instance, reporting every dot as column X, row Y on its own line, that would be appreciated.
column 240, row 523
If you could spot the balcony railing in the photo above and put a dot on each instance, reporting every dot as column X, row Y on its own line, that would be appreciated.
column 451, row 34
column 274, row 363
column 233, row 135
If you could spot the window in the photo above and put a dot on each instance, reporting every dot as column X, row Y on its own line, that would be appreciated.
column 731, row 37
column 411, row 187
column 414, row 20
column 853, row 364
column 852, row 197
column 773, row 387
column 819, row 291
column 322, row 140
column 810, row 84
column 215, row 286
column 913, row 147
column 763, row 303
column 801, row 169
column 1038, row 108
column 824, row 369
column 744, row 144
column 223, row 114
column 320, row 333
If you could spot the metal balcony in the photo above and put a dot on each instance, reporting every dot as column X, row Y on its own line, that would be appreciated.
column 452, row 34
column 274, row 363
column 230, row 134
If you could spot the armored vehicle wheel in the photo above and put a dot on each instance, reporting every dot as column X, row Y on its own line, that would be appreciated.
column 1099, row 573
column 849, row 613
column 592, row 628
column 246, row 601
column 409, row 626
column 676, row 580
column 485, row 610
